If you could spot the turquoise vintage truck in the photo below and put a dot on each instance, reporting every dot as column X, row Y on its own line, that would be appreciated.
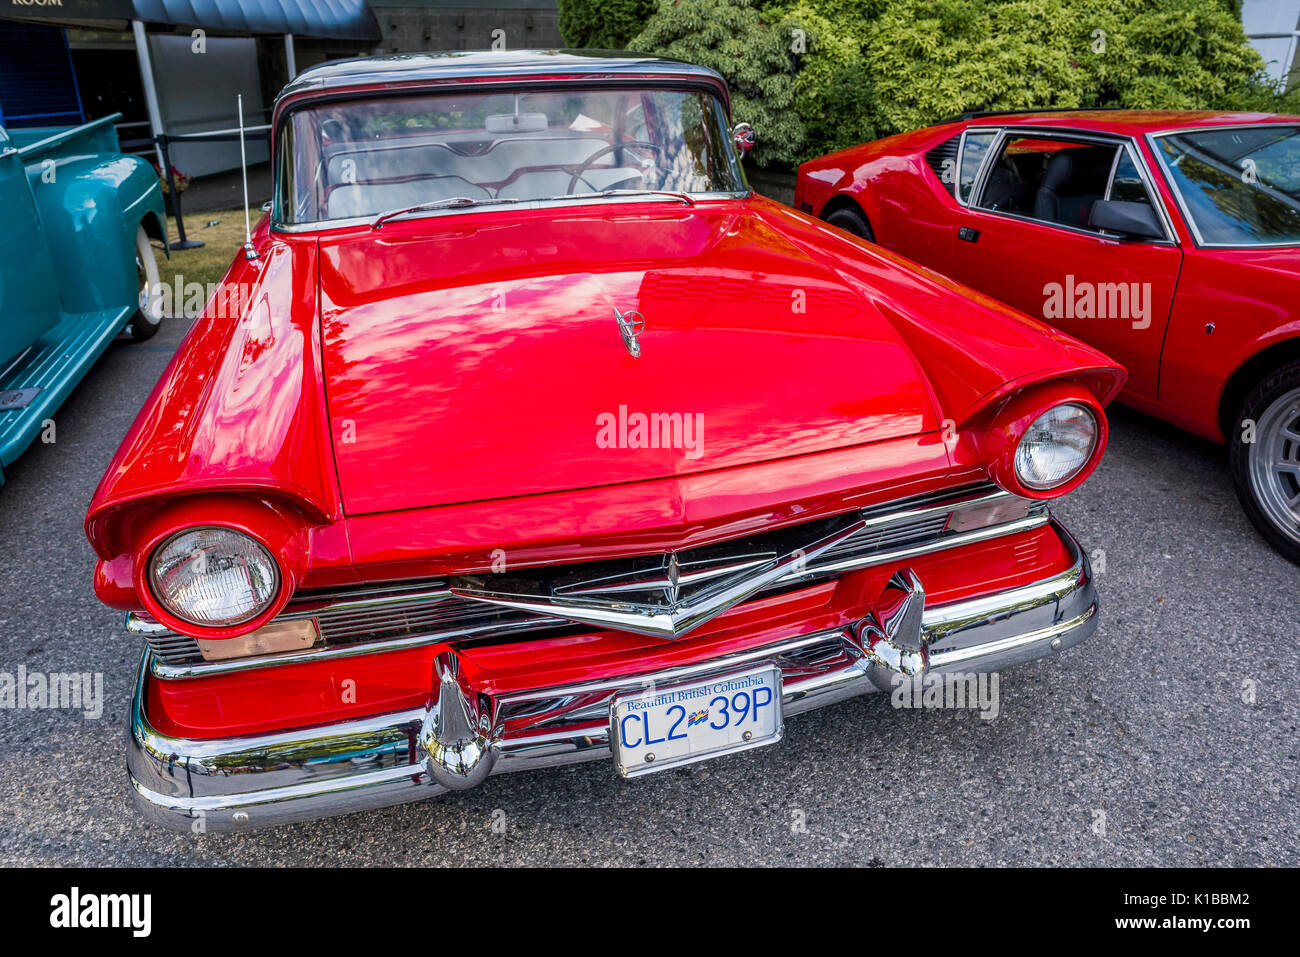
column 77, row 266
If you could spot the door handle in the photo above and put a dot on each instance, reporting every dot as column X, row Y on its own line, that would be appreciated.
column 968, row 234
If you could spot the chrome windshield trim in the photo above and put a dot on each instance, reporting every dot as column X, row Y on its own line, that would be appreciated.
column 327, row 225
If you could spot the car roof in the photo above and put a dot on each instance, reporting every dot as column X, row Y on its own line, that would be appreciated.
column 1125, row 122
column 406, row 68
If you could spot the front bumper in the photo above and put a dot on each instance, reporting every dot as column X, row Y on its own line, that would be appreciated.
column 464, row 735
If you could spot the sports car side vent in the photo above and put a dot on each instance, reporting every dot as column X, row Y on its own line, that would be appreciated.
column 942, row 160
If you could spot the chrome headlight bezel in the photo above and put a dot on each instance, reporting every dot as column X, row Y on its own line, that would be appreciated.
column 268, row 598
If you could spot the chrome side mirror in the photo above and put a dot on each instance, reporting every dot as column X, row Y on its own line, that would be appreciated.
column 743, row 134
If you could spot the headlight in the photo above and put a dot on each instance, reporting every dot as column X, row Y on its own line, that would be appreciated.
column 216, row 577
column 1058, row 444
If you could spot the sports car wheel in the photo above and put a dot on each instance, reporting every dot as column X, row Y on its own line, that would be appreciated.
column 852, row 221
column 146, row 320
column 1265, row 458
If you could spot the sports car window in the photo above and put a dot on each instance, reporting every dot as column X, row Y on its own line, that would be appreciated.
column 360, row 158
column 1049, row 179
column 976, row 144
column 1239, row 186
column 1127, row 184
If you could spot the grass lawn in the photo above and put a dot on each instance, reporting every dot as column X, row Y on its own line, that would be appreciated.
column 209, row 262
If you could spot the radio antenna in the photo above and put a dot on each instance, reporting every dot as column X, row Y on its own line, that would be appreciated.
column 249, row 251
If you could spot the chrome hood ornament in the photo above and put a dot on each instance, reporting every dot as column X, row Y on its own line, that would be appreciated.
column 630, row 325
column 666, row 596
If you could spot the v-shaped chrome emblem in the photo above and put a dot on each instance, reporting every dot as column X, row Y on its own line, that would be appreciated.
column 667, row 584
column 666, row 601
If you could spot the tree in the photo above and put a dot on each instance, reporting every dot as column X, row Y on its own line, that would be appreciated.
column 602, row 24
column 755, row 58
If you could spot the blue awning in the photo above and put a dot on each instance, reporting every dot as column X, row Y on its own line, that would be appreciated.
column 322, row 19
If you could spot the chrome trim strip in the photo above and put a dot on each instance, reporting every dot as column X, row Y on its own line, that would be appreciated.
column 949, row 660
column 260, row 780
column 203, row 669
column 168, row 672
column 984, row 161
column 952, row 541
column 139, row 624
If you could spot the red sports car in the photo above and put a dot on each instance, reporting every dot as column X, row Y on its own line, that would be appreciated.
column 1167, row 239
column 536, row 437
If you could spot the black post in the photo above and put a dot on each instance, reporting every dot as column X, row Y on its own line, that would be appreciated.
column 182, row 242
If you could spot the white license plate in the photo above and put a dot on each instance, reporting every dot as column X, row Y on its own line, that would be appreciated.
column 672, row 725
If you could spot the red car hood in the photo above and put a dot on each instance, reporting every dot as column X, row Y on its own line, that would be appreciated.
column 482, row 359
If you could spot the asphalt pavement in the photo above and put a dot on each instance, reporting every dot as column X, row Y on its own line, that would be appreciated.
column 1168, row 739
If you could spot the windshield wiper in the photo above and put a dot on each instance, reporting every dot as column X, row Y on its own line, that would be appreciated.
column 625, row 192
column 454, row 202
column 465, row 202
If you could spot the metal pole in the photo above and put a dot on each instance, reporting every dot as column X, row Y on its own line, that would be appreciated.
column 159, row 137
column 181, row 241
column 150, row 91
column 289, row 57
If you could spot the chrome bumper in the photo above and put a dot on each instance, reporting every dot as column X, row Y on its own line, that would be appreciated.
column 463, row 735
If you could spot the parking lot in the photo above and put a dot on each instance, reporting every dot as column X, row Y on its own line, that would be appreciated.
column 1170, row 738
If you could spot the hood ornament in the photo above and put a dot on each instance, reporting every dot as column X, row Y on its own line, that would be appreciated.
column 630, row 325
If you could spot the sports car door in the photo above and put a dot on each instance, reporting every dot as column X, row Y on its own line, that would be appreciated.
column 1028, row 239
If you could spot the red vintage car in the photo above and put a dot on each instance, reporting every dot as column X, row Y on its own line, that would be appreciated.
column 538, row 437
column 1167, row 239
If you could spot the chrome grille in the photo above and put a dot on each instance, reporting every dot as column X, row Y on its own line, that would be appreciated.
column 879, row 539
column 364, row 619
column 392, row 617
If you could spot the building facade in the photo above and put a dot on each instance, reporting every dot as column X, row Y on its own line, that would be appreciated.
column 409, row 26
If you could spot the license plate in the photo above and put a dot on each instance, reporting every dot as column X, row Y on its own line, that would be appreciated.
column 668, row 726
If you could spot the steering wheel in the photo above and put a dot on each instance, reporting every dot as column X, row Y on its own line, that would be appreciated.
column 604, row 151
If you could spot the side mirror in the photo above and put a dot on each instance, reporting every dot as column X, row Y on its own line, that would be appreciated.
column 1130, row 220
column 743, row 134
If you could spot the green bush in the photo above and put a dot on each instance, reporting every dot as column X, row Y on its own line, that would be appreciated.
column 933, row 58
column 755, row 57
column 858, row 69
column 833, row 96
column 602, row 24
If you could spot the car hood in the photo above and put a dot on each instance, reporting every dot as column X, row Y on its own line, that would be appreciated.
column 481, row 358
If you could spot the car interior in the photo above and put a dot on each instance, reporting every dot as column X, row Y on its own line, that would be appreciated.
column 1050, row 180
column 362, row 179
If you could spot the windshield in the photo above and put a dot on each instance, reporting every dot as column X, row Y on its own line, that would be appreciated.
column 360, row 158
column 1239, row 186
